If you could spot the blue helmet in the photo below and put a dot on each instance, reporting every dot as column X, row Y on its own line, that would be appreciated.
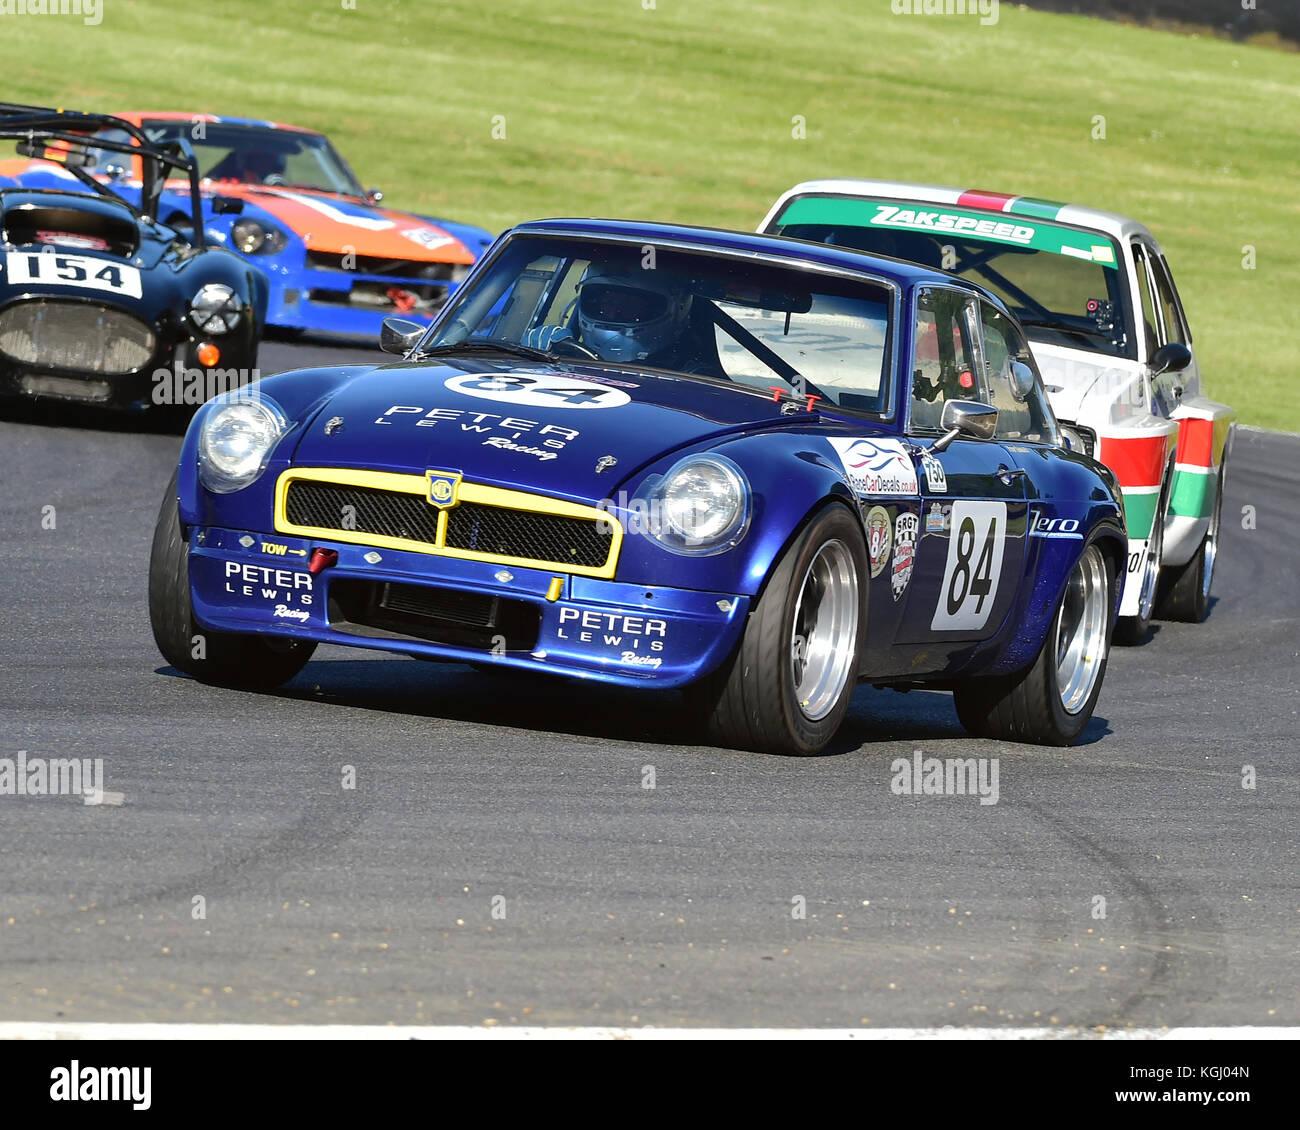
column 629, row 315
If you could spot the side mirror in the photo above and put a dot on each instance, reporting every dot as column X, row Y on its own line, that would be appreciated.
column 1170, row 358
column 398, row 335
column 374, row 195
column 967, row 418
column 227, row 206
column 1022, row 380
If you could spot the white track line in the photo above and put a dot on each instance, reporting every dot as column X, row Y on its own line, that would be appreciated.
column 37, row 1030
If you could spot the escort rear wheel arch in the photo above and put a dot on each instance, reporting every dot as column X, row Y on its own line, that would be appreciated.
column 1185, row 592
column 1133, row 630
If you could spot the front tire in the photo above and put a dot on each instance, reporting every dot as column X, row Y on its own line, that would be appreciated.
column 788, row 684
column 1052, row 700
column 223, row 658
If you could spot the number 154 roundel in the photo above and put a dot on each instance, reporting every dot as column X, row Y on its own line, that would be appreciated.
column 757, row 475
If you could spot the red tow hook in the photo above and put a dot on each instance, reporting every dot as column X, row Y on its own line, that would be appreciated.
column 322, row 559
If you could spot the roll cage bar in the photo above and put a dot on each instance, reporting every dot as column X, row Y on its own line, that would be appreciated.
column 34, row 127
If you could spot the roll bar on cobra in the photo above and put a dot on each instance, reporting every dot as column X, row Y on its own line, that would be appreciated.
column 36, row 127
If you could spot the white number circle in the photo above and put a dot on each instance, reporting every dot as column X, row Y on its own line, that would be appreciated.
column 538, row 389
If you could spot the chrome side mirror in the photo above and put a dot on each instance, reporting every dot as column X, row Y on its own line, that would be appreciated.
column 1022, row 380
column 374, row 195
column 967, row 418
column 399, row 335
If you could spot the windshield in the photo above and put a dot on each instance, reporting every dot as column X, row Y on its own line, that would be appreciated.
column 234, row 154
column 769, row 326
column 1063, row 284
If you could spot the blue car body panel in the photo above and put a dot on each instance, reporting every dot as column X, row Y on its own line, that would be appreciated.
column 662, row 618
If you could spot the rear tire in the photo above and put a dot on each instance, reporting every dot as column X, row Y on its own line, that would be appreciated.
column 223, row 658
column 787, row 686
column 1051, row 701
column 1185, row 591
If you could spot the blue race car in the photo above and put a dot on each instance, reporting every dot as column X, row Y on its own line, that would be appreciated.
column 753, row 468
column 338, row 261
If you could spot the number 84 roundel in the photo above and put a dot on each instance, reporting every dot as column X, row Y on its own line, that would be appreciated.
column 973, row 568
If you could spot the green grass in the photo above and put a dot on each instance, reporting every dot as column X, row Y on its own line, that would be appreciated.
column 684, row 112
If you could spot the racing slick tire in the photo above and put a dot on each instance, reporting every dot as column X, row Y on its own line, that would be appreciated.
column 1133, row 630
column 223, row 658
column 787, row 685
column 1051, row 701
column 1185, row 591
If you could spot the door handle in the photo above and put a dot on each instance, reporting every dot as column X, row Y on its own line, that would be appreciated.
column 1007, row 474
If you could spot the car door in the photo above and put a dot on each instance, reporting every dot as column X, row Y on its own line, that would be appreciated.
column 970, row 547
column 1161, row 304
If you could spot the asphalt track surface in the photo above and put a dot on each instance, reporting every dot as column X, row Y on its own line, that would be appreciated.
column 623, row 906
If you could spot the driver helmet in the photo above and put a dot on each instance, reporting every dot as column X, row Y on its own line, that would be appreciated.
column 259, row 164
column 629, row 315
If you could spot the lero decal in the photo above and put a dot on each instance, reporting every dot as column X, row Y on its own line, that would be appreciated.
column 551, row 390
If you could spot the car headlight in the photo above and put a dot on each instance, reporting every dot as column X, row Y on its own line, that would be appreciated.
column 253, row 238
column 236, row 440
column 215, row 309
column 700, row 506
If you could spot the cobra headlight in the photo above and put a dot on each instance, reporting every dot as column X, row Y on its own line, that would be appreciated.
column 700, row 506
column 215, row 309
column 236, row 440
column 254, row 238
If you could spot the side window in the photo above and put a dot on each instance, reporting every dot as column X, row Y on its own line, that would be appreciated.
column 1169, row 304
column 1028, row 419
column 1150, row 333
column 943, row 366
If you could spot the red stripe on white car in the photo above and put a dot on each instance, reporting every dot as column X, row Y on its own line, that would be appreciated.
column 1196, row 442
column 1138, row 461
column 994, row 201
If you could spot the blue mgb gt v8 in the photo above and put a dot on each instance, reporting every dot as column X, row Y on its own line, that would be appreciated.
column 753, row 468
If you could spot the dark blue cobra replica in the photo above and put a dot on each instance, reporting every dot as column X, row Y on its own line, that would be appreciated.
column 753, row 468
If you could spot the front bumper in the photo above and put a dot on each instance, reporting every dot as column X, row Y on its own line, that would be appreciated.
column 460, row 610
column 337, row 302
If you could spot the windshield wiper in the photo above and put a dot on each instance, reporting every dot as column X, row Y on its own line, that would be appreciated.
column 489, row 347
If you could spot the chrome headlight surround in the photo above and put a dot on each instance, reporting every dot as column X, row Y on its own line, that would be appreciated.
column 236, row 439
column 701, row 506
column 252, row 237
column 215, row 309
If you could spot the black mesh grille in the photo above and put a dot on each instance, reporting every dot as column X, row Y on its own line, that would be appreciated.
column 471, row 527
column 331, row 506
column 470, row 608
column 79, row 337
column 521, row 533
